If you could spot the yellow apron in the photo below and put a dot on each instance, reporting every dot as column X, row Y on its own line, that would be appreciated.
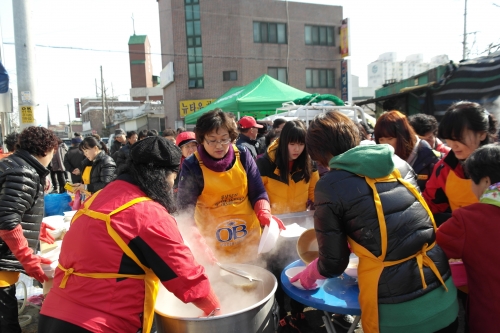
column 224, row 214
column 459, row 191
column 86, row 175
column 370, row 267
column 150, row 279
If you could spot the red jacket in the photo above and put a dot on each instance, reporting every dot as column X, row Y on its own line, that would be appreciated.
column 115, row 305
column 472, row 235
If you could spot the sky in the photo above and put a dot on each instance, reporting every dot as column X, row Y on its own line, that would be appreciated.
column 428, row 27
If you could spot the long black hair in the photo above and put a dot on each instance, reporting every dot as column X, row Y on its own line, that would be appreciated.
column 293, row 132
column 91, row 142
column 467, row 115
column 152, row 180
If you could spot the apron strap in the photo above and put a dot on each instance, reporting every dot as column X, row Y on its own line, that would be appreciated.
column 197, row 155
column 86, row 205
column 71, row 271
column 118, row 240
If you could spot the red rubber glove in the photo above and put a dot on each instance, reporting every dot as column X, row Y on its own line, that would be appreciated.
column 18, row 244
column 45, row 236
column 208, row 303
column 309, row 276
column 263, row 211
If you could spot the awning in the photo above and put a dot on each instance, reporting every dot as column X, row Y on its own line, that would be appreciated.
column 403, row 93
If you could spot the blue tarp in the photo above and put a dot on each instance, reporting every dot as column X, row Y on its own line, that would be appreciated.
column 57, row 204
column 4, row 79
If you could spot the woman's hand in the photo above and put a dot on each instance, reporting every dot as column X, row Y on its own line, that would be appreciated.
column 76, row 171
column 309, row 276
column 263, row 211
column 45, row 236
column 208, row 304
column 79, row 187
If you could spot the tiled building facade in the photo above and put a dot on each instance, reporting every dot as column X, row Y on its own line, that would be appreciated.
column 215, row 45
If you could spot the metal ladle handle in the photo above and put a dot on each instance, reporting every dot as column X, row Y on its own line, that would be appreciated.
column 238, row 272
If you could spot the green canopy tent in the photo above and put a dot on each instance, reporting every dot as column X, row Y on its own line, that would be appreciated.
column 258, row 99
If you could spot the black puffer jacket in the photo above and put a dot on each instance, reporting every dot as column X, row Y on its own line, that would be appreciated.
column 345, row 207
column 120, row 158
column 73, row 160
column 115, row 146
column 22, row 179
column 102, row 172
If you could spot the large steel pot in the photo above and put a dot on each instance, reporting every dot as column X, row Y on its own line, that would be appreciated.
column 261, row 317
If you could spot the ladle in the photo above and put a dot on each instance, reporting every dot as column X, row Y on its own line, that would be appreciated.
column 238, row 272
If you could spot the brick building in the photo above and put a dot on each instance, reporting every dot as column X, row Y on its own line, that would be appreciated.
column 145, row 85
column 210, row 46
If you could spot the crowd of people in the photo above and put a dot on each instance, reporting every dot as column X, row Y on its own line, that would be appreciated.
column 395, row 195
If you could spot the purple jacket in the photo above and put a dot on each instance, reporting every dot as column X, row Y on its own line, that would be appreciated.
column 191, row 181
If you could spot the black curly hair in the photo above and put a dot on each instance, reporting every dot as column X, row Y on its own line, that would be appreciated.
column 37, row 141
column 423, row 123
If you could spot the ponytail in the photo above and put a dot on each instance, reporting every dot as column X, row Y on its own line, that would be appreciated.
column 492, row 129
column 104, row 147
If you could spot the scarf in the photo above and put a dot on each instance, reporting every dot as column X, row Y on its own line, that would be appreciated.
column 491, row 195
column 217, row 165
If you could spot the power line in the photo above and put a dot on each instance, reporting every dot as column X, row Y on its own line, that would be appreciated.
column 177, row 54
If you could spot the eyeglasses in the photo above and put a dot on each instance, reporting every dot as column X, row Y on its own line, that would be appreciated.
column 214, row 143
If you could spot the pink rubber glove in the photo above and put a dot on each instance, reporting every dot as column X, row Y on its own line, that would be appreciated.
column 309, row 276
column 18, row 245
column 263, row 211
column 208, row 303
column 45, row 236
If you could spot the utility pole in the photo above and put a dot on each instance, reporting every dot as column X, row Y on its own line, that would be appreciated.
column 3, row 115
column 464, row 50
column 96, row 94
column 25, row 63
column 102, row 100
column 69, row 118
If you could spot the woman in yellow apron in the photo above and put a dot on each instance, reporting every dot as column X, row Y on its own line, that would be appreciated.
column 120, row 246
column 287, row 171
column 221, row 181
column 98, row 169
column 369, row 199
column 289, row 177
column 465, row 126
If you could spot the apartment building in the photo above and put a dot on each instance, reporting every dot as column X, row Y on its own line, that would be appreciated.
column 211, row 46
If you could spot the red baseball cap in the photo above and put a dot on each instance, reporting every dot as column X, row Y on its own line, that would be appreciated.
column 185, row 137
column 248, row 122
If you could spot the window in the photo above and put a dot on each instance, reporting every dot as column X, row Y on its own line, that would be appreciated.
column 320, row 78
column 278, row 73
column 230, row 76
column 193, row 40
column 319, row 35
column 266, row 32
